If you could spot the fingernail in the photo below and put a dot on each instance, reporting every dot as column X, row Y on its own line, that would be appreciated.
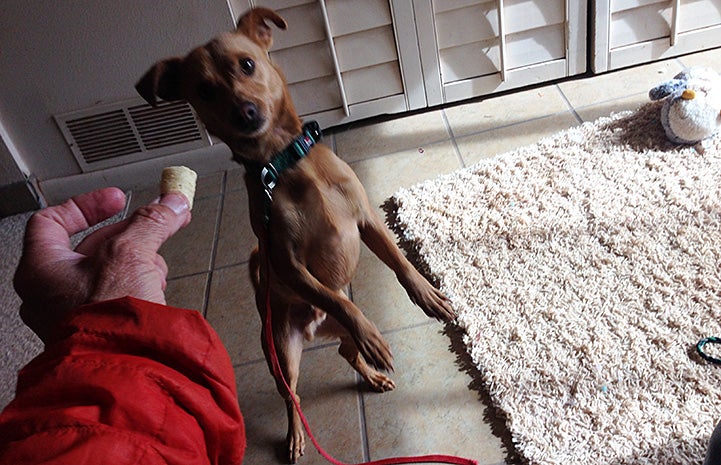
column 175, row 202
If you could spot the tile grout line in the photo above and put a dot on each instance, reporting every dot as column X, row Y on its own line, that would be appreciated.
column 365, row 443
column 189, row 275
column 335, row 343
column 429, row 322
column 396, row 152
column 679, row 60
column 569, row 105
column 510, row 125
column 214, row 250
column 453, row 139
column 360, row 400
column 612, row 100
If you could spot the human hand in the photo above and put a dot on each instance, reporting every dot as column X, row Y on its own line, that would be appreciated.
column 115, row 261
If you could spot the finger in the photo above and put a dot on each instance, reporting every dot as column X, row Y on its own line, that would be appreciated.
column 150, row 226
column 142, row 278
column 100, row 204
column 50, row 229
column 90, row 244
column 163, row 267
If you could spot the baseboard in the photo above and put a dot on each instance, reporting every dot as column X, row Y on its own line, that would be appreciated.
column 19, row 197
column 137, row 175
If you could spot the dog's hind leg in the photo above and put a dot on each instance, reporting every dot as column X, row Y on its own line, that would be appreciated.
column 288, row 343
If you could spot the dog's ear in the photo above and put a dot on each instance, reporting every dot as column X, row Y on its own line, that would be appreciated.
column 253, row 25
column 161, row 80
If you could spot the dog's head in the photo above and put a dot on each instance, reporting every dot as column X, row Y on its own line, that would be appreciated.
column 230, row 82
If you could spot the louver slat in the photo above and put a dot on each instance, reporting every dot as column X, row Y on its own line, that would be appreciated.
column 125, row 132
column 158, row 129
column 104, row 136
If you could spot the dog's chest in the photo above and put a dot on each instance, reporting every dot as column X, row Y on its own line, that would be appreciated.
column 324, row 228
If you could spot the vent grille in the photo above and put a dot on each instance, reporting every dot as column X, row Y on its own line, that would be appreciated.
column 131, row 131
column 103, row 136
column 166, row 125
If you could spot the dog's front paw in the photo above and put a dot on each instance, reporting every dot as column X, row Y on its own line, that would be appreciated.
column 380, row 382
column 436, row 305
column 432, row 301
column 373, row 347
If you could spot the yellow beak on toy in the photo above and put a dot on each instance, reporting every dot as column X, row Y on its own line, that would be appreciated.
column 688, row 94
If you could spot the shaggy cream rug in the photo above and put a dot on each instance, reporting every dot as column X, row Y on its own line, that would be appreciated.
column 584, row 270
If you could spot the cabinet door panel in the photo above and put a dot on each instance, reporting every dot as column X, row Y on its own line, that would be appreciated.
column 315, row 96
column 350, row 16
column 346, row 59
column 537, row 46
column 621, row 5
column 305, row 62
column 373, row 82
column 339, row 56
column 278, row 4
column 475, row 50
column 699, row 14
column 305, row 26
column 367, row 48
column 444, row 6
column 525, row 15
column 473, row 23
column 515, row 78
column 640, row 24
column 631, row 32
column 467, row 61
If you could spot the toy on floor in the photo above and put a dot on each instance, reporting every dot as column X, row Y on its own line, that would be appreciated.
column 692, row 109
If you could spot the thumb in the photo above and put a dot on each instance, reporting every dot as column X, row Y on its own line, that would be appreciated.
column 128, row 264
column 150, row 226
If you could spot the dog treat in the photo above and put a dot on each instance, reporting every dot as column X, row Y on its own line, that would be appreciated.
column 179, row 179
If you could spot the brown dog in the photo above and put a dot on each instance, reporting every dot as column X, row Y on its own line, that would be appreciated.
column 309, row 218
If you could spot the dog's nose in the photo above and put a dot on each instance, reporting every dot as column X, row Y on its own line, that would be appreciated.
column 247, row 116
column 249, row 111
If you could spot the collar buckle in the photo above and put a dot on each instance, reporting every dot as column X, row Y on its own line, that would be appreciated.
column 269, row 179
column 298, row 149
column 269, row 176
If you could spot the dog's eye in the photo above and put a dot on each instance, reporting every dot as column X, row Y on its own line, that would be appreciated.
column 247, row 66
column 206, row 91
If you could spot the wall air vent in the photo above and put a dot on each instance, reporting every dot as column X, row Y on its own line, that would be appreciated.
column 130, row 131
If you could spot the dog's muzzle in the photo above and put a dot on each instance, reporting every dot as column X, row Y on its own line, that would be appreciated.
column 247, row 117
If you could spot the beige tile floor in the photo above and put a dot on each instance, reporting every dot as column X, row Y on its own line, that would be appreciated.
column 439, row 405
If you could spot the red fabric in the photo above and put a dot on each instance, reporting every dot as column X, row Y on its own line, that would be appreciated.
column 126, row 382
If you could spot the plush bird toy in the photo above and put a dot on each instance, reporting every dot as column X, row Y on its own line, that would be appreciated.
column 692, row 109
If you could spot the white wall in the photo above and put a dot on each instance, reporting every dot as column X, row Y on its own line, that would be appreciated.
column 11, row 170
column 59, row 56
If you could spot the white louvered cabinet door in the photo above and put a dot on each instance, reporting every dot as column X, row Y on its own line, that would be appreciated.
column 346, row 59
column 477, row 47
column 629, row 32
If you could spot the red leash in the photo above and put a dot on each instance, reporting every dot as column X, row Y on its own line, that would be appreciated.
column 278, row 373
